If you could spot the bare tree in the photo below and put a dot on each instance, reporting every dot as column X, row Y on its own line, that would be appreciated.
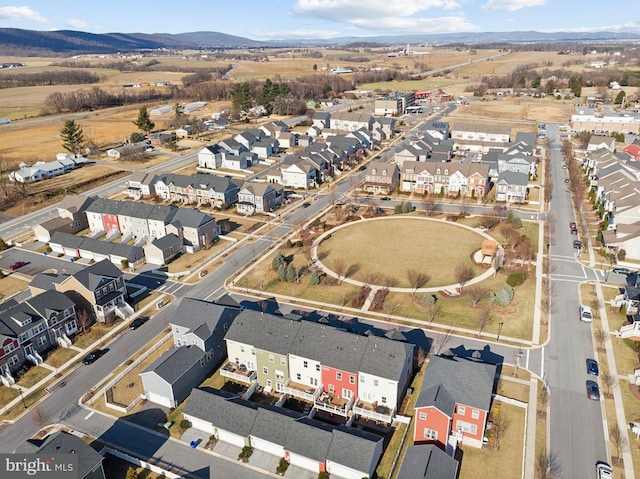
column 345, row 297
column 428, row 204
column 499, row 428
column 548, row 466
column 548, row 190
column 489, row 221
column 432, row 312
column 484, row 318
column 84, row 320
column 340, row 268
column 600, row 336
column 417, row 279
column 440, row 341
column 421, row 357
column 618, row 439
column 390, row 308
column 477, row 293
column 607, row 379
column 55, row 361
column 40, row 416
column 463, row 274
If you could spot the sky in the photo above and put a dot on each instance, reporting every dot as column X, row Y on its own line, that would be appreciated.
column 294, row 19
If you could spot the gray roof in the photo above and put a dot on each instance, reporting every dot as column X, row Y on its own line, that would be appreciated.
column 273, row 425
column 438, row 396
column 263, row 331
column 194, row 313
column 75, row 203
column 92, row 277
column 62, row 442
column 514, row 178
column 166, row 241
column 122, row 250
column 172, row 364
column 47, row 280
column 133, row 209
column 224, row 410
column 189, row 218
column 309, row 438
column 385, row 358
column 467, row 382
column 354, row 448
column 427, row 462
column 50, row 301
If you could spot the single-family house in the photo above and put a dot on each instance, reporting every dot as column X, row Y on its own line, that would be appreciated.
column 128, row 149
column 141, row 185
column 198, row 329
column 454, row 402
column 265, row 147
column 299, row 173
column 288, row 139
column 71, row 218
column 275, row 129
column 512, row 187
column 232, row 146
column 381, row 177
column 87, row 462
column 210, row 157
column 386, row 124
column 597, row 141
column 517, row 164
column 197, row 229
column 160, row 139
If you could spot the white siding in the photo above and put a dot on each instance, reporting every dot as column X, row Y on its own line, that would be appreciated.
column 371, row 392
column 304, row 462
column 266, row 446
column 234, row 351
column 160, row 399
column 309, row 375
column 344, row 472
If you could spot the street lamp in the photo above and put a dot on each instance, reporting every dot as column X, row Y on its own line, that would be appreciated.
column 22, row 397
column 499, row 330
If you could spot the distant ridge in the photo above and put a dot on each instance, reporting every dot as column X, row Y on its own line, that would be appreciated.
column 15, row 41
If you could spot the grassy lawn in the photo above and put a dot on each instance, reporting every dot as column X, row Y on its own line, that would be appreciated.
column 375, row 248
column 512, row 389
column 529, row 229
column 19, row 408
column 33, row 376
column 541, row 426
column 192, row 261
column 10, row 285
column 96, row 332
column 60, row 356
column 507, row 459
column 7, row 395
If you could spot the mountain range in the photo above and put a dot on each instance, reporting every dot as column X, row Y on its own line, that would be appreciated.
column 69, row 42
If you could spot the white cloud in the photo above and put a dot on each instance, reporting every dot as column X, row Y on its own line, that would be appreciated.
column 345, row 11
column 417, row 25
column 300, row 33
column 512, row 5
column 21, row 14
column 77, row 24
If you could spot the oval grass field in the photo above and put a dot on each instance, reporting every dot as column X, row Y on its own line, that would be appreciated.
column 375, row 250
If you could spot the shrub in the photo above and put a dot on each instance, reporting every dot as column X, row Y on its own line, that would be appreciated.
column 124, row 264
column 504, row 296
column 292, row 274
column 3, row 245
column 282, row 272
column 358, row 300
column 314, row 279
column 428, row 299
column 516, row 279
column 245, row 454
column 277, row 260
column 323, row 475
column 283, row 465
column 622, row 254
column 515, row 221
column 185, row 424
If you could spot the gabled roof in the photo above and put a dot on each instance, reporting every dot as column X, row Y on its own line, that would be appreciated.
column 428, row 462
column 273, row 425
column 514, row 178
column 62, row 442
column 354, row 448
column 194, row 313
column 224, row 410
column 309, row 438
column 166, row 241
column 263, row 331
column 173, row 363
column 75, row 203
column 464, row 381
column 188, row 218
column 50, row 301
column 94, row 276
column 47, row 280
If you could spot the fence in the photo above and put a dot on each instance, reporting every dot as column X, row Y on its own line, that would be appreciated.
column 139, row 462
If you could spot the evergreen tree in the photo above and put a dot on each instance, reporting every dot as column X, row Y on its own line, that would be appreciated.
column 315, row 278
column 241, row 96
column 282, row 272
column 278, row 259
column 136, row 137
column 292, row 275
column 143, row 122
column 72, row 137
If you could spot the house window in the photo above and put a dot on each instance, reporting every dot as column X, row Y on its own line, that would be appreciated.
column 283, row 361
column 298, row 376
column 317, row 367
column 272, row 359
column 305, row 364
column 383, row 400
column 338, row 376
column 265, row 370
column 467, row 427
column 209, row 355
column 331, row 389
column 430, row 434
column 253, row 352
column 41, row 341
column 423, row 416
column 23, row 338
column 375, row 382
column 362, row 379
column 269, row 383
column 475, row 414
column 12, row 361
column 461, row 410
column 242, row 349
column 352, row 379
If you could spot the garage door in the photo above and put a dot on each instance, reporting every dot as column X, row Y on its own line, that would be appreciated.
column 200, row 424
column 231, row 438
column 343, row 471
column 304, row 462
column 159, row 399
column 267, row 446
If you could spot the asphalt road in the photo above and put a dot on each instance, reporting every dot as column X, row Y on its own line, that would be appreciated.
column 576, row 423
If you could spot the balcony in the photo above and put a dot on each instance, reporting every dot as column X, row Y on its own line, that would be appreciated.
column 373, row 411
column 238, row 372
column 302, row 391
column 333, row 404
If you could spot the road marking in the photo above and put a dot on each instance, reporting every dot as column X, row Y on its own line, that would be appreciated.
column 89, row 415
column 569, row 280
column 214, row 293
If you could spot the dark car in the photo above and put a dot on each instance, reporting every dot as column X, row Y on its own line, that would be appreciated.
column 92, row 357
column 17, row 265
column 622, row 270
column 385, row 198
column 593, row 391
column 566, row 181
column 362, row 167
column 306, row 205
column 592, row 367
column 577, row 244
column 574, row 231
column 139, row 321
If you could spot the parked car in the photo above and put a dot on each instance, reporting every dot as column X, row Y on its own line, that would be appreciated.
column 17, row 265
column 574, row 231
column 593, row 390
column 622, row 270
column 603, row 470
column 139, row 321
column 592, row 367
column 573, row 225
column 306, row 204
column 566, row 181
column 564, row 167
column 362, row 167
column 585, row 314
column 577, row 244
column 92, row 357
column 385, row 198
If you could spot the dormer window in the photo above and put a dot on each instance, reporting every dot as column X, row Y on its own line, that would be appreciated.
column 373, row 172
column 384, row 172
column 446, row 171
column 438, row 171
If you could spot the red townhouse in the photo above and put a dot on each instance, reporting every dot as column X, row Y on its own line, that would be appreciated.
column 454, row 402
column 633, row 150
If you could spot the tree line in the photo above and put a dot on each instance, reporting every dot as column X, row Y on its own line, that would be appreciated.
column 63, row 77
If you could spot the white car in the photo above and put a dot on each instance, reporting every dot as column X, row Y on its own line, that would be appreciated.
column 585, row 313
column 603, row 470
